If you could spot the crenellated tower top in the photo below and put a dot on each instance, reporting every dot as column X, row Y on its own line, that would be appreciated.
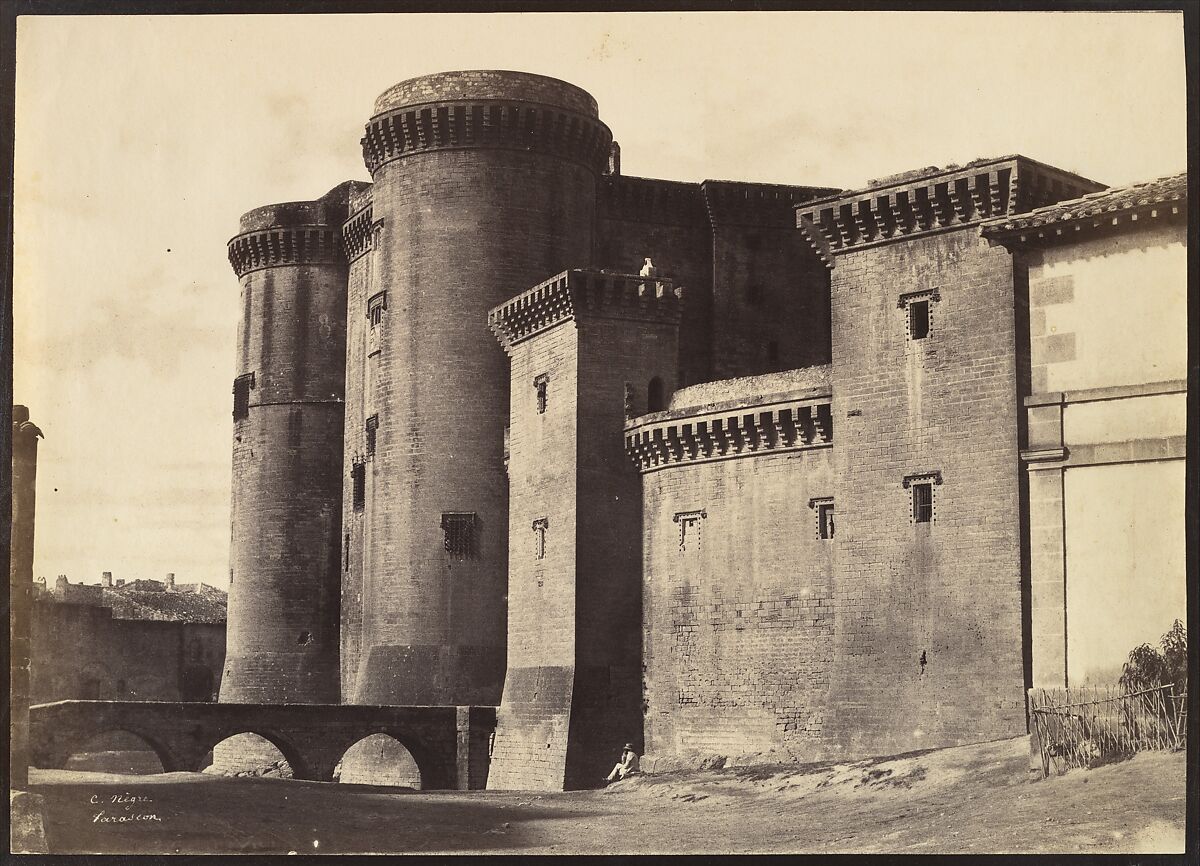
column 486, row 109
column 577, row 293
column 934, row 200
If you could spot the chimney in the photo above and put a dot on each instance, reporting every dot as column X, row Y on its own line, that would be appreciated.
column 106, row 579
column 614, row 159
column 170, row 581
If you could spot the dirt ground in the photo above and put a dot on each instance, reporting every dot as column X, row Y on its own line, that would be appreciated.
column 972, row 799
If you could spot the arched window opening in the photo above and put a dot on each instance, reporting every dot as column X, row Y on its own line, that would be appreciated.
column 378, row 760
column 654, row 395
column 115, row 752
column 248, row 755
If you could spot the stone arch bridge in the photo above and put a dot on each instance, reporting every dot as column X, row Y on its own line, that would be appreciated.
column 450, row 745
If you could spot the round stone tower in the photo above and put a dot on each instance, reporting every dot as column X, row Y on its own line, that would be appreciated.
column 484, row 185
column 282, row 634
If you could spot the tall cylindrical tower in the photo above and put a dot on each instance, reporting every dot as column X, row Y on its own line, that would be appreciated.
column 282, row 634
column 25, row 435
column 484, row 183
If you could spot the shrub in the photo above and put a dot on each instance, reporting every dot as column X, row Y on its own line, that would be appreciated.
column 1149, row 667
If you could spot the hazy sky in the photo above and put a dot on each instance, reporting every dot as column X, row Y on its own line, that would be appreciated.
column 140, row 140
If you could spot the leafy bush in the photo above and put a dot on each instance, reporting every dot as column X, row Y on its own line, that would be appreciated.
column 1149, row 667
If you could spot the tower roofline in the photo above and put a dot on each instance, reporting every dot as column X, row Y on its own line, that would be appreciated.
column 580, row 293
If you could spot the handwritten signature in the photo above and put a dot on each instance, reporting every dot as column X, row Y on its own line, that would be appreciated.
column 123, row 808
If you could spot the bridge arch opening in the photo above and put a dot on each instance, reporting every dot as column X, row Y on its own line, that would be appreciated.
column 249, row 754
column 379, row 759
column 116, row 751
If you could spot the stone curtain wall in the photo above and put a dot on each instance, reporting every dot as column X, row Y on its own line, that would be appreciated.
column 928, row 647
column 739, row 626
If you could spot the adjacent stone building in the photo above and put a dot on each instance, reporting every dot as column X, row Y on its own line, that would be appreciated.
column 145, row 640
column 740, row 469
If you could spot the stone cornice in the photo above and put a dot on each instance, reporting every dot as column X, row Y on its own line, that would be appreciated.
column 285, row 245
column 577, row 294
column 935, row 202
column 506, row 125
column 656, row 442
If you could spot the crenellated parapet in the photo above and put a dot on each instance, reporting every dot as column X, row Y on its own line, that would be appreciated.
column 293, row 245
column 509, row 125
column 719, row 432
column 295, row 232
column 578, row 293
column 756, row 204
column 934, row 201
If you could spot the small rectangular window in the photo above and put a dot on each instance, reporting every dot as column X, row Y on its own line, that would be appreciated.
column 458, row 529
column 372, row 427
column 825, row 521
column 358, row 475
column 918, row 320
column 689, row 529
column 922, row 501
column 541, row 384
column 241, row 396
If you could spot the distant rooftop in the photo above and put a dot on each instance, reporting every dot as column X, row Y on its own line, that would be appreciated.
column 145, row 599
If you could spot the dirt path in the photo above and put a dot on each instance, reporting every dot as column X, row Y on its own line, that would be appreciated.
column 972, row 799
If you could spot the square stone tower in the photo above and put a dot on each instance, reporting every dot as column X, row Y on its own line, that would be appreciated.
column 587, row 349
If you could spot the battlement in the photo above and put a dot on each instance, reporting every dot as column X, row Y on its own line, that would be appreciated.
column 736, row 428
column 477, row 121
column 577, row 293
column 934, row 200
column 296, row 232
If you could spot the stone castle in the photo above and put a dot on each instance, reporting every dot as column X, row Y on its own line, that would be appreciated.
column 721, row 467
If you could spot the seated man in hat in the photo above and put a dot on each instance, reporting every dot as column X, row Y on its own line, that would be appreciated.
column 627, row 766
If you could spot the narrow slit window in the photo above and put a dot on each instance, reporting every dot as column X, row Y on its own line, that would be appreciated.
column 375, row 308
column 918, row 320
column 241, row 396
column 541, row 386
column 922, row 502
column 458, row 530
column 372, row 428
column 539, row 537
column 346, row 552
column 654, row 395
column 295, row 426
column 358, row 476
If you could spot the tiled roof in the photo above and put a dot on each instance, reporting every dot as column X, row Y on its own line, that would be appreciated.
column 173, row 606
column 1090, row 207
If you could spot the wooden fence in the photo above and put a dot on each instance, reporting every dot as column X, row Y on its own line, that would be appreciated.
column 1093, row 725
